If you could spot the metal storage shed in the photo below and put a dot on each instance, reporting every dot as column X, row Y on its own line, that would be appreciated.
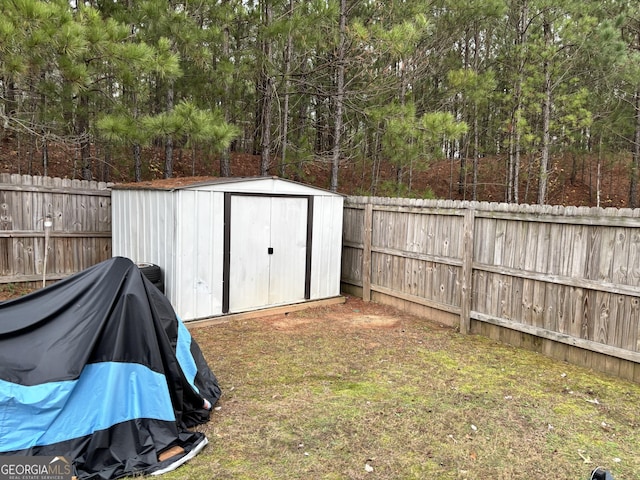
column 229, row 245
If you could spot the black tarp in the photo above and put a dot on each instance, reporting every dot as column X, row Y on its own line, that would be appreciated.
column 99, row 369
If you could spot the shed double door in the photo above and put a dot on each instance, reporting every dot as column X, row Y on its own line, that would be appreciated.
column 268, row 251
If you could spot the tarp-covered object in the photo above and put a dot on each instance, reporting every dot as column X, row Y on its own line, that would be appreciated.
column 98, row 368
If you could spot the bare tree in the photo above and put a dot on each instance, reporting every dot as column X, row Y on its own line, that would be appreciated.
column 546, row 117
column 335, row 157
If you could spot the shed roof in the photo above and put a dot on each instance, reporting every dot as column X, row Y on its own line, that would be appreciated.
column 180, row 183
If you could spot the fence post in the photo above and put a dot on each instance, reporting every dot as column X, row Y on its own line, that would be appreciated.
column 467, row 271
column 366, row 251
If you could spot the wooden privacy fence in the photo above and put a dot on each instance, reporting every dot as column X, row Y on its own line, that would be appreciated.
column 51, row 227
column 562, row 281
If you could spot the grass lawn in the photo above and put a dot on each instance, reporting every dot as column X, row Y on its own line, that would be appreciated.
column 362, row 391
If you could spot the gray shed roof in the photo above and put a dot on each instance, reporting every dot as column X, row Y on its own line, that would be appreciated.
column 172, row 184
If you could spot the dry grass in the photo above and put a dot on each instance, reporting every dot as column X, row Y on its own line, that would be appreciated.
column 9, row 291
column 359, row 391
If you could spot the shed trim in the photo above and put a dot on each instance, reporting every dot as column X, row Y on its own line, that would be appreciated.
column 307, row 274
column 185, row 183
column 226, row 260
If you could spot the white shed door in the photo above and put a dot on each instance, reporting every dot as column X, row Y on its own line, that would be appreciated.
column 268, row 251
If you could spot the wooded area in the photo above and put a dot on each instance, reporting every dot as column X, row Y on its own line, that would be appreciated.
column 332, row 81
column 562, row 281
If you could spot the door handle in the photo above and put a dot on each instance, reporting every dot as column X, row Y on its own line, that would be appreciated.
column 270, row 250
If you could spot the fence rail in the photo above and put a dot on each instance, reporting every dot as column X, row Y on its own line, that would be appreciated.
column 51, row 227
column 564, row 281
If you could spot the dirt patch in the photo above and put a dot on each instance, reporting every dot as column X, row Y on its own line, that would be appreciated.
column 353, row 314
column 373, row 321
column 294, row 321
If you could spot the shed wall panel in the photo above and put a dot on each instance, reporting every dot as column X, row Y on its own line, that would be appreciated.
column 143, row 226
column 196, row 287
column 327, row 247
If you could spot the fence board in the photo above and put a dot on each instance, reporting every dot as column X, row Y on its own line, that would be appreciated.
column 633, row 264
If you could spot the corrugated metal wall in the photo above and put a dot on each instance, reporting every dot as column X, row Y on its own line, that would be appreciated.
column 196, row 274
column 327, row 247
column 143, row 228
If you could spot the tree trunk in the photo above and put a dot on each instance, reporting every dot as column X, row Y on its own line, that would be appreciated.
column 513, row 175
column 193, row 159
column 476, row 134
column 462, row 174
column 257, row 120
column 168, row 145
column 43, row 132
column 635, row 157
column 335, row 160
column 301, row 123
column 464, row 153
column 82, row 130
column 225, row 154
column 517, row 159
column 375, row 166
column 508, row 191
column 599, row 172
column 11, row 105
column 476, row 152
column 137, row 162
column 106, row 163
column 265, row 145
column 285, row 113
column 225, row 161
column 267, row 98
column 45, row 157
column 546, row 118
column 32, row 149
column 137, row 157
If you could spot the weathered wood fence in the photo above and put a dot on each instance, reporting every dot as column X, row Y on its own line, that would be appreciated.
column 562, row 281
column 51, row 227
